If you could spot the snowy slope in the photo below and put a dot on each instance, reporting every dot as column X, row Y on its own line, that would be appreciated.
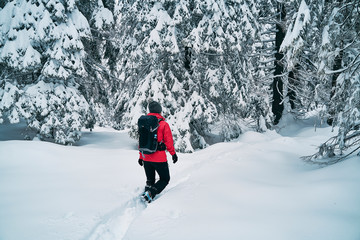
column 252, row 188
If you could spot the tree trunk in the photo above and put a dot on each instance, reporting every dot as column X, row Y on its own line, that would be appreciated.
column 337, row 66
column 277, row 86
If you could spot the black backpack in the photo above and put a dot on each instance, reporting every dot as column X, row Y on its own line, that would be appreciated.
column 147, row 127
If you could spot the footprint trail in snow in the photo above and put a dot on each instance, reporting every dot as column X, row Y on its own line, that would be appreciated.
column 115, row 224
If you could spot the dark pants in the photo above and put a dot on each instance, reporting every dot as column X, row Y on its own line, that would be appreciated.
column 162, row 170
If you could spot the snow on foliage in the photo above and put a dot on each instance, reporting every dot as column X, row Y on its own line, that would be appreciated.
column 42, row 41
column 293, row 37
column 8, row 97
column 323, row 64
column 102, row 17
column 186, row 55
column 208, row 62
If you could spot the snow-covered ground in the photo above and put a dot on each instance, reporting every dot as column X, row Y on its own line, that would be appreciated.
column 253, row 188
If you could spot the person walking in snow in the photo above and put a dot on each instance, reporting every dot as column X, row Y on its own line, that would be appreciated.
column 156, row 162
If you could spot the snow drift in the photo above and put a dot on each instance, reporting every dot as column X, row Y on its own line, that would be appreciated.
column 255, row 187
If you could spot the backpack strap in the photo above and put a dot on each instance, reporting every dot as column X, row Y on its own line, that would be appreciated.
column 161, row 145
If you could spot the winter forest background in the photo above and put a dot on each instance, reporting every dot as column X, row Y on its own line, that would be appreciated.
column 218, row 67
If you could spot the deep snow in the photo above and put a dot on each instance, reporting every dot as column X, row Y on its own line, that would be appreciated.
column 255, row 187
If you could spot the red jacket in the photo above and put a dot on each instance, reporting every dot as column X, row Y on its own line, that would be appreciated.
column 164, row 135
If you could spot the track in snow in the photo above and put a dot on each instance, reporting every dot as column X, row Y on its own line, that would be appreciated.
column 116, row 223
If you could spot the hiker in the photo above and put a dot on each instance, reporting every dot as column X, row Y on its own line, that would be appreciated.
column 157, row 161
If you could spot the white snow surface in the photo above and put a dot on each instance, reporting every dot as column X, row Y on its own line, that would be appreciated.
column 255, row 187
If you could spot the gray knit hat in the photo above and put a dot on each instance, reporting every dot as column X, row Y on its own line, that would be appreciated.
column 154, row 107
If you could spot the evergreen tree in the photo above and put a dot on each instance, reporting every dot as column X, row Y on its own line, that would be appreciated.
column 258, row 51
column 100, row 61
column 192, row 57
column 150, row 64
column 297, row 87
column 215, row 66
column 40, row 45
column 339, row 67
column 264, row 58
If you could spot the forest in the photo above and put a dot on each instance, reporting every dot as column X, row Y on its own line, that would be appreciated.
column 219, row 68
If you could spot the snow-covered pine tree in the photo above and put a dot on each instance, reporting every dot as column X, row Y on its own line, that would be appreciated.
column 215, row 51
column 100, row 60
column 296, row 53
column 191, row 56
column 222, row 44
column 309, row 92
column 303, row 90
column 257, row 47
column 263, row 58
column 338, row 69
column 41, row 48
column 151, row 65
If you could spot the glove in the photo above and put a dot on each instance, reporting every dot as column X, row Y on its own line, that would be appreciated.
column 174, row 158
column 141, row 162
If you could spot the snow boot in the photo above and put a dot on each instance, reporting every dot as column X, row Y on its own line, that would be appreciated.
column 147, row 196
